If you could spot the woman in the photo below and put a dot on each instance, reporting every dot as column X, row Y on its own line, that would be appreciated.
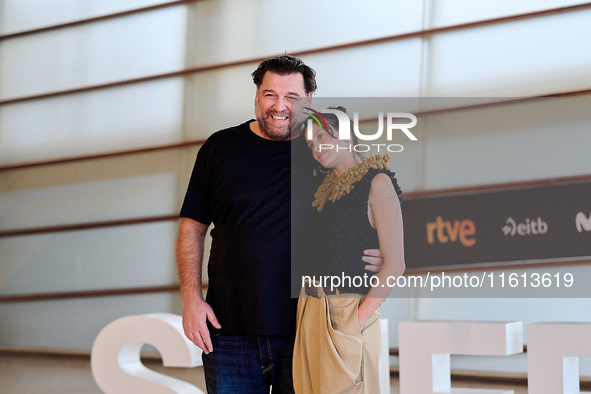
column 338, row 338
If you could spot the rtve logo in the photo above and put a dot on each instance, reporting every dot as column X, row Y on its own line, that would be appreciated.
column 447, row 232
column 582, row 222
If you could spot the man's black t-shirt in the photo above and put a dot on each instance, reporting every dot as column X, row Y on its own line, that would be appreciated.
column 242, row 183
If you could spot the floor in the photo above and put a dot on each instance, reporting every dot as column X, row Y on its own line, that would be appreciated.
column 29, row 374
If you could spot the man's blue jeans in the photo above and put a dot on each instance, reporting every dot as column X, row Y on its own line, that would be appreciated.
column 249, row 364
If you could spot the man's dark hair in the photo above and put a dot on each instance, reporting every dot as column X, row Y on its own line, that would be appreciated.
column 286, row 65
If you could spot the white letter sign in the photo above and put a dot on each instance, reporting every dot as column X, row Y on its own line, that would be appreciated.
column 425, row 348
column 553, row 351
column 115, row 358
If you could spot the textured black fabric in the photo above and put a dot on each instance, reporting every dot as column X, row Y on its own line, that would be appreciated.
column 349, row 231
column 242, row 184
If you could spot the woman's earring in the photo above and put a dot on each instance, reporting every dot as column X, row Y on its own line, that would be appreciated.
column 315, row 172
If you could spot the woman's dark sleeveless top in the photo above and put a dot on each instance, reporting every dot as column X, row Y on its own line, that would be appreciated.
column 349, row 233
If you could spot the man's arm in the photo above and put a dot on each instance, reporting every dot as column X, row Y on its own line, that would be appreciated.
column 189, row 258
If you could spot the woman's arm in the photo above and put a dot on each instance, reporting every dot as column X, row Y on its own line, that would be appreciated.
column 387, row 219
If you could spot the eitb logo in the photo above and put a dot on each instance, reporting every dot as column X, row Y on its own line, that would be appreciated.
column 345, row 129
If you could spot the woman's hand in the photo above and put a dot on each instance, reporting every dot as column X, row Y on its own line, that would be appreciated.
column 366, row 310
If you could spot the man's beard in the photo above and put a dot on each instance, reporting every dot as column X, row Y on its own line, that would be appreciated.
column 273, row 132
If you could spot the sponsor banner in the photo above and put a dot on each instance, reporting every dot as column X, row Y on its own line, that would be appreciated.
column 550, row 222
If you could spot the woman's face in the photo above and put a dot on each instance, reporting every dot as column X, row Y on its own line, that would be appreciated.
column 324, row 147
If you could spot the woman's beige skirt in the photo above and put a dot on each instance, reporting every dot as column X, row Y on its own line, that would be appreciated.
column 332, row 354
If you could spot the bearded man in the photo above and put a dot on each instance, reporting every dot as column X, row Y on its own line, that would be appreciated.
column 242, row 182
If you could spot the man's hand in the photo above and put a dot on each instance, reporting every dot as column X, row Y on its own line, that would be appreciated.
column 189, row 257
column 374, row 260
column 195, row 319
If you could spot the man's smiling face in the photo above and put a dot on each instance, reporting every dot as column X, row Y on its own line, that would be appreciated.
column 273, row 102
